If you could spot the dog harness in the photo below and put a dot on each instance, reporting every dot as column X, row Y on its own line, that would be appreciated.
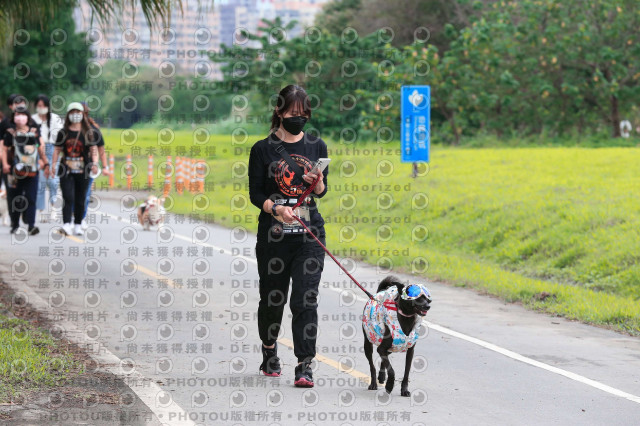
column 381, row 313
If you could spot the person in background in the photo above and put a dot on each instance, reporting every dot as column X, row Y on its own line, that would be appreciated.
column 13, row 101
column 22, row 157
column 77, row 142
column 4, row 125
column 103, row 158
column 50, row 124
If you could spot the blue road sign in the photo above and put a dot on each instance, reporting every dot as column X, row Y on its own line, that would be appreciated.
column 415, row 107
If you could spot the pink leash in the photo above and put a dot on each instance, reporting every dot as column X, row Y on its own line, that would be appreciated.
column 300, row 200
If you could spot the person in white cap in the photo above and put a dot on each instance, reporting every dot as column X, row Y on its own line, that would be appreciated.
column 77, row 141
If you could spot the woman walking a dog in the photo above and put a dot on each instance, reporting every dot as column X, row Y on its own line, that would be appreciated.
column 279, row 172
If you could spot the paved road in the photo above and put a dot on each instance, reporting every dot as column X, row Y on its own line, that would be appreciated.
column 184, row 315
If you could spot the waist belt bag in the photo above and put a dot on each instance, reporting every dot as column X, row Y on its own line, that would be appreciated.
column 74, row 164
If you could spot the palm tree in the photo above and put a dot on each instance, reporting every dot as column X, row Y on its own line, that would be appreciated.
column 18, row 13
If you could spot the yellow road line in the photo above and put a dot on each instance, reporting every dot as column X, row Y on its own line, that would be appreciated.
column 153, row 274
column 76, row 239
column 335, row 364
column 287, row 342
column 140, row 268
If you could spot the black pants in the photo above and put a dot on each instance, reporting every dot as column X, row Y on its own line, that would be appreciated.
column 22, row 200
column 74, row 191
column 302, row 261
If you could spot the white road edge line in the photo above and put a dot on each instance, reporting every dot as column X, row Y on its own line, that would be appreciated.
column 146, row 389
column 495, row 348
column 533, row 362
column 516, row 356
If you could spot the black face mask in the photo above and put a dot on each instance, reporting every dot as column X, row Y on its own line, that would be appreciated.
column 294, row 125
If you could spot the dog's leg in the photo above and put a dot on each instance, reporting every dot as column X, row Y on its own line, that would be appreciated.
column 368, row 351
column 407, row 368
column 145, row 221
column 383, row 351
column 382, row 374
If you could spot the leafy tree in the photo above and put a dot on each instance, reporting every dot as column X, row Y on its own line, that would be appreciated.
column 554, row 65
column 132, row 95
column 51, row 61
column 406, row 19
column 339, row 76
column 336, row 15
column 21, row 13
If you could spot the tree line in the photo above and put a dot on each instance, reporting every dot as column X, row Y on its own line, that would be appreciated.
column 503, row 68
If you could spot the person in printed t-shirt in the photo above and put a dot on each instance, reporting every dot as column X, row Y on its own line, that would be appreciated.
column 77, row 141
column 274, row 188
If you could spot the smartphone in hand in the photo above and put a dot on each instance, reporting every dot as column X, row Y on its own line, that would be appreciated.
column 320, row 165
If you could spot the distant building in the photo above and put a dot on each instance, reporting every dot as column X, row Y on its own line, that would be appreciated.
column 236, row 14
column 181, row 47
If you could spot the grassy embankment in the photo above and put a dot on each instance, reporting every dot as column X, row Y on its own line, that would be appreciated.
column 554, row 228
column 30, row 359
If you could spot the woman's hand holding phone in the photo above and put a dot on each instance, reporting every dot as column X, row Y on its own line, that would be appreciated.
column 311, row 176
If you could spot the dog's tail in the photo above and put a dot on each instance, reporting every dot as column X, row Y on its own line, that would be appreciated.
column 389, row 281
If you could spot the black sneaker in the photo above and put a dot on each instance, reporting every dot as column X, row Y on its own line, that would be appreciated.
column 270, row 362
column 13, row 229
column 33, row 230
column 304, row 375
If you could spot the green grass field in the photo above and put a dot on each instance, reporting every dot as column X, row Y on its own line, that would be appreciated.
column 553, row 228
column 31, row 359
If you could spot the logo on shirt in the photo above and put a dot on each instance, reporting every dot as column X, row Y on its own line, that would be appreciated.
column 74, row 148
column 285, row 176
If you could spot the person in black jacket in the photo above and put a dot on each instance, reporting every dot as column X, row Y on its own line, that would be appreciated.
column 283, row 250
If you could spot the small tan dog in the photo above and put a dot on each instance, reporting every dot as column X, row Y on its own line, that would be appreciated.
column 4, row 211
column 151, row 212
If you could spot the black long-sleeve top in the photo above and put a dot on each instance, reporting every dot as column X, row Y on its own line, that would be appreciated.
column 270, row 177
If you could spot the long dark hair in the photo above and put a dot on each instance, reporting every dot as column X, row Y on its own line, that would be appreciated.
column 86, row 114
column 85, row 127
column 290, row 97
column 45, row 100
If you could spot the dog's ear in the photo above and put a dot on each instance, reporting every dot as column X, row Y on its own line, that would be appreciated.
column 399, row 286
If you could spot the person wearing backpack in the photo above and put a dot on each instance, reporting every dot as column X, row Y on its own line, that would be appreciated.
column 22, row 157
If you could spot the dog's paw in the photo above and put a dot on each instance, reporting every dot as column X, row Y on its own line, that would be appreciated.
column 373, row 386
column 382, row 376
column 405, row 392
column 389, row 386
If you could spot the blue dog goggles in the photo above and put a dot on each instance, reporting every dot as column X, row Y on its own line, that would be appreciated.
column 414, row 291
